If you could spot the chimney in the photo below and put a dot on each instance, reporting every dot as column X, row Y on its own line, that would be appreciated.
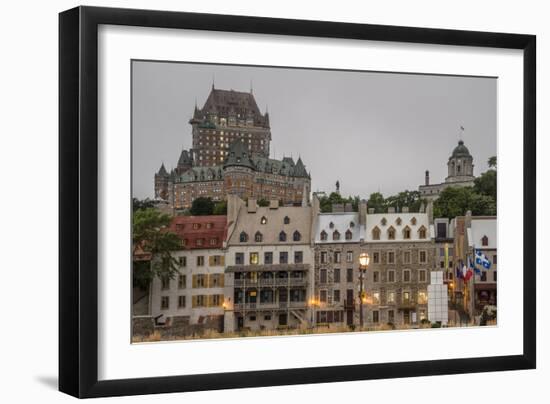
column 427, row 179
column 404, row 209
column 274, row 204
column 371, row 211
column 363, row 212
column 348, row 207
column 252, row 206
column 391, row 209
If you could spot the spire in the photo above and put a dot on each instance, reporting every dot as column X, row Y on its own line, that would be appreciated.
column 213, row 81
column 251, row 87
column 162, row 171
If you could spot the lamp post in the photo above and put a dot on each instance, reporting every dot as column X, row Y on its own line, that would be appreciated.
column 364, row 260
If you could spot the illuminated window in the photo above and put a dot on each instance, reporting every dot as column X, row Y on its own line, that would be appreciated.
column 263, row 220
column 254, row 258
column 391, row 297
column 376, row 298
column 422, row 297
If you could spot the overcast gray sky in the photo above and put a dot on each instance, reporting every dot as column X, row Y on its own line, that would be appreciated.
column 371, row 131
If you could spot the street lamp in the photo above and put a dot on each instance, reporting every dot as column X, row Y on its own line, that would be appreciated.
column 364, row 260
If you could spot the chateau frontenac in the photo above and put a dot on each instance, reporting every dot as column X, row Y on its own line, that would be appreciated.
column 230, row 156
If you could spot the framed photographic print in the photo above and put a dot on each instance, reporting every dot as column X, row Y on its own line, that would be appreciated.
column 251, row 201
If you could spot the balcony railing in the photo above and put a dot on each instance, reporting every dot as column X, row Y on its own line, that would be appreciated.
column 270, row 305
column 266, row 282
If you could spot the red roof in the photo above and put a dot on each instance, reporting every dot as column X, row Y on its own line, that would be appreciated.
column 200, row 231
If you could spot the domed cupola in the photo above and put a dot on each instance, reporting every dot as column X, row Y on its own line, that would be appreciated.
column 461, row 150
column 460, row 165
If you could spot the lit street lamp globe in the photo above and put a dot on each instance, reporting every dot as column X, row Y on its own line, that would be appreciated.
column 364, row 259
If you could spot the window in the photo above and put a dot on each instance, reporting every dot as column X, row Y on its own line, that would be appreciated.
column 323, row 276
column 254, row 258
column 349, row 235
column 349, row 256
column 495, row 276
column 199, row 301
column 267, row 317
column 422, row 275
column 200, row 261
column 376, row 298
column 282, row 236
column 336, row 275
column 413, row 221
column 349, row 275
column 494, row 259
column 337, row 257
column 298, row 257
column 182, row 281
column 391, row 297
column 263, row 220
column 483, row 276
column 243, row 238
column 376, row 233
column 296, row 236
column 336, row 295
column 323, row 295
column 391, row 275
column 214, row 241
column 283, row 257
column 199, row 281
column 164, row 303
column 391, row 316
column 406, row 297
column 239, row 258
column 323, row 257
column 209, row 225
column 376, row 276
column 216, row 300
column 398, row 221
column 258, row 237
column 406, row 257
column 336, row 235
column 183, row 261
column 286, row 220
column 422, row 233
column 199, row 242
column 406, row 275
column 391, row 233
column 442, row 230
column 383, row 221
column 375, row 316
column 422, row 297
column 391, row 257
column 324, row 235
column 331, row 225
column 422, row 257
column 376, row 258
column 485, row 241
column 407, row 233
column 165, row 283
column 181, row 301
column 179, row 227
column 196, row 226
column 268, row 258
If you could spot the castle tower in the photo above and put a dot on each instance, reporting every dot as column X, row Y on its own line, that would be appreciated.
column 226, row 116
column 161, row 183
column 185, row 162
column 239, row 171
column 460, row 165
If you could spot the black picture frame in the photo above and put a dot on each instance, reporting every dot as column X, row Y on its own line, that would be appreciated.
column 78, row 201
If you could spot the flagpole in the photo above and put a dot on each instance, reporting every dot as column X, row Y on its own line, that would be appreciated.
column 474, row 283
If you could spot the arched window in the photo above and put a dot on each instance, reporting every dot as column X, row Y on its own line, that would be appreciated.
column 422, row 232
column 351, row 224
column 263, row 220
column 331, row 225
column 376, row 233
column 485, row 241
column 258, row 237
column 243, row 238
column 296, row 236
column 391, row 233
column 282, row 236
column 349, row 235
column 413, row 221
column 324, row 235
column 287, row 220
column 383, row 221
column 398, row 221
column 336, row 235
column 407, row 233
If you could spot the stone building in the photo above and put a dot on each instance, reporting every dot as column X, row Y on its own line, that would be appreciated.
column 194, row 300
column 402, row 251
column 230, row 155
column 337, row 242
column 460, row 168
column 269, row 265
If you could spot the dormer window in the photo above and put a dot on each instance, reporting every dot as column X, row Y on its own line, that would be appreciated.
column 331, row 225
column 376, row 233
column 383, row 221
column 422, row 233
column 243, row 237
column 351, row 224
column 324, row 236
column 398, row 221
column 296, row 236
column 349, row 235
column 391, row 233
column 413, row 221
column 196, row 226
column 258, row 238
column 263, row 220
column 336, row 235
column 286, row 220
column 407, row 233
column 282, row 236
column 485, row 241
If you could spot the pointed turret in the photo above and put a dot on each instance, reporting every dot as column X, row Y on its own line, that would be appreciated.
column 300, row 169
column 238, row 156
column 162, row 171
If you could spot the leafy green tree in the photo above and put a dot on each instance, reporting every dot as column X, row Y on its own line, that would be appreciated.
column 486, row 184
column 220, row 208
column 411, row 199
column 150, row 235
column 492, row 162
column 263, row 202
column 377, row 202
column 202, row 206
column 456, row 201
column 142, row 204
